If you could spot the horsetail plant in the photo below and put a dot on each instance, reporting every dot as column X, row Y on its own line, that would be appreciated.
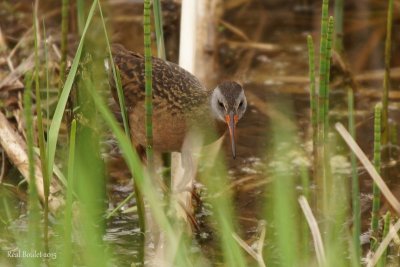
column 322, row 170
column 339, row 26
column 386, row 80
column 148, row 85
column 377, row 164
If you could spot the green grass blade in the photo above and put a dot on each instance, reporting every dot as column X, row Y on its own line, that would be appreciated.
column 58, row 114
column 117, row 78
column 68, row 219
column 40, row 133
column 32, row 241
column 80, row 7
column 355, row 184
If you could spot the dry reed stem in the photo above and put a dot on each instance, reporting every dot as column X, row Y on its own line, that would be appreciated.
column 369, row 167
column 266, row 47
column 15, row 148
column 384, row 244
column 235, row 30
column 14, row 75
column 316, row 234
column 257, row 255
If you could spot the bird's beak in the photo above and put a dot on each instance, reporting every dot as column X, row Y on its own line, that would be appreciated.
column 231, row 119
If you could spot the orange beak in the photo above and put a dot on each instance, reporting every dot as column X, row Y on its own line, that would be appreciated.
column 231, row 119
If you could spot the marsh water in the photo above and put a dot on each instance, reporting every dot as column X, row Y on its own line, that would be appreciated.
column 276, row 85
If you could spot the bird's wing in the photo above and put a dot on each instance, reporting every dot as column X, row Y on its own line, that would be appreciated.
column 172, row 85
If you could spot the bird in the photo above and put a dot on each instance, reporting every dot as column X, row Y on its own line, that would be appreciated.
column 180, row 102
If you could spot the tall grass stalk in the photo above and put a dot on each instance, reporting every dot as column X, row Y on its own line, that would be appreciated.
column 121, row 99
column 40, row 133
column 386, row 228
column 32, row 242
column 322, row 100
column 215, row 178
column 377, row 164
column 355, row 183
column 339, row 10
column 135, row 166
column 64, row 37
column 148, row 85
column 386, row 80
column 283, row 211
column 46, row 58
column 68, row 218
column 326, row 156
column 158, row 25
column 80, row 8
column 91, row 202
column 116, row 76
column 62, row 101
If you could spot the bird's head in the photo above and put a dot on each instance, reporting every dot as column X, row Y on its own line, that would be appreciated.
column 228, row 104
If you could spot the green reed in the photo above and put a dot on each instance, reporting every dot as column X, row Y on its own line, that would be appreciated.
column 215, row 177
column 31, row 242
column 377, row 163
column 149, row 85
column 386, row 228
column 67, row 255
column 323, row 103
column 121, row 99
column 64, row 37
column 116, row 76
column 136, row 168
column 326, row 155
column 339, row 9
column 355, row 192
column 386, row 80
column 63, row 98
column 158, row 25
column 46, row 64
column 40, row 133
column 80, row 8
column 282, row 211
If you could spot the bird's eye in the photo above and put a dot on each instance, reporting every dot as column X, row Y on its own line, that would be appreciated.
column 241, row 104
column 221, row 105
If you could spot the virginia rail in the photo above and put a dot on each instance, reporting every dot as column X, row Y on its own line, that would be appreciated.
column 180, row 102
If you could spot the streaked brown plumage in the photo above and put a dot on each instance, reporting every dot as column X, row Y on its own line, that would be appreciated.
column 180, row 102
